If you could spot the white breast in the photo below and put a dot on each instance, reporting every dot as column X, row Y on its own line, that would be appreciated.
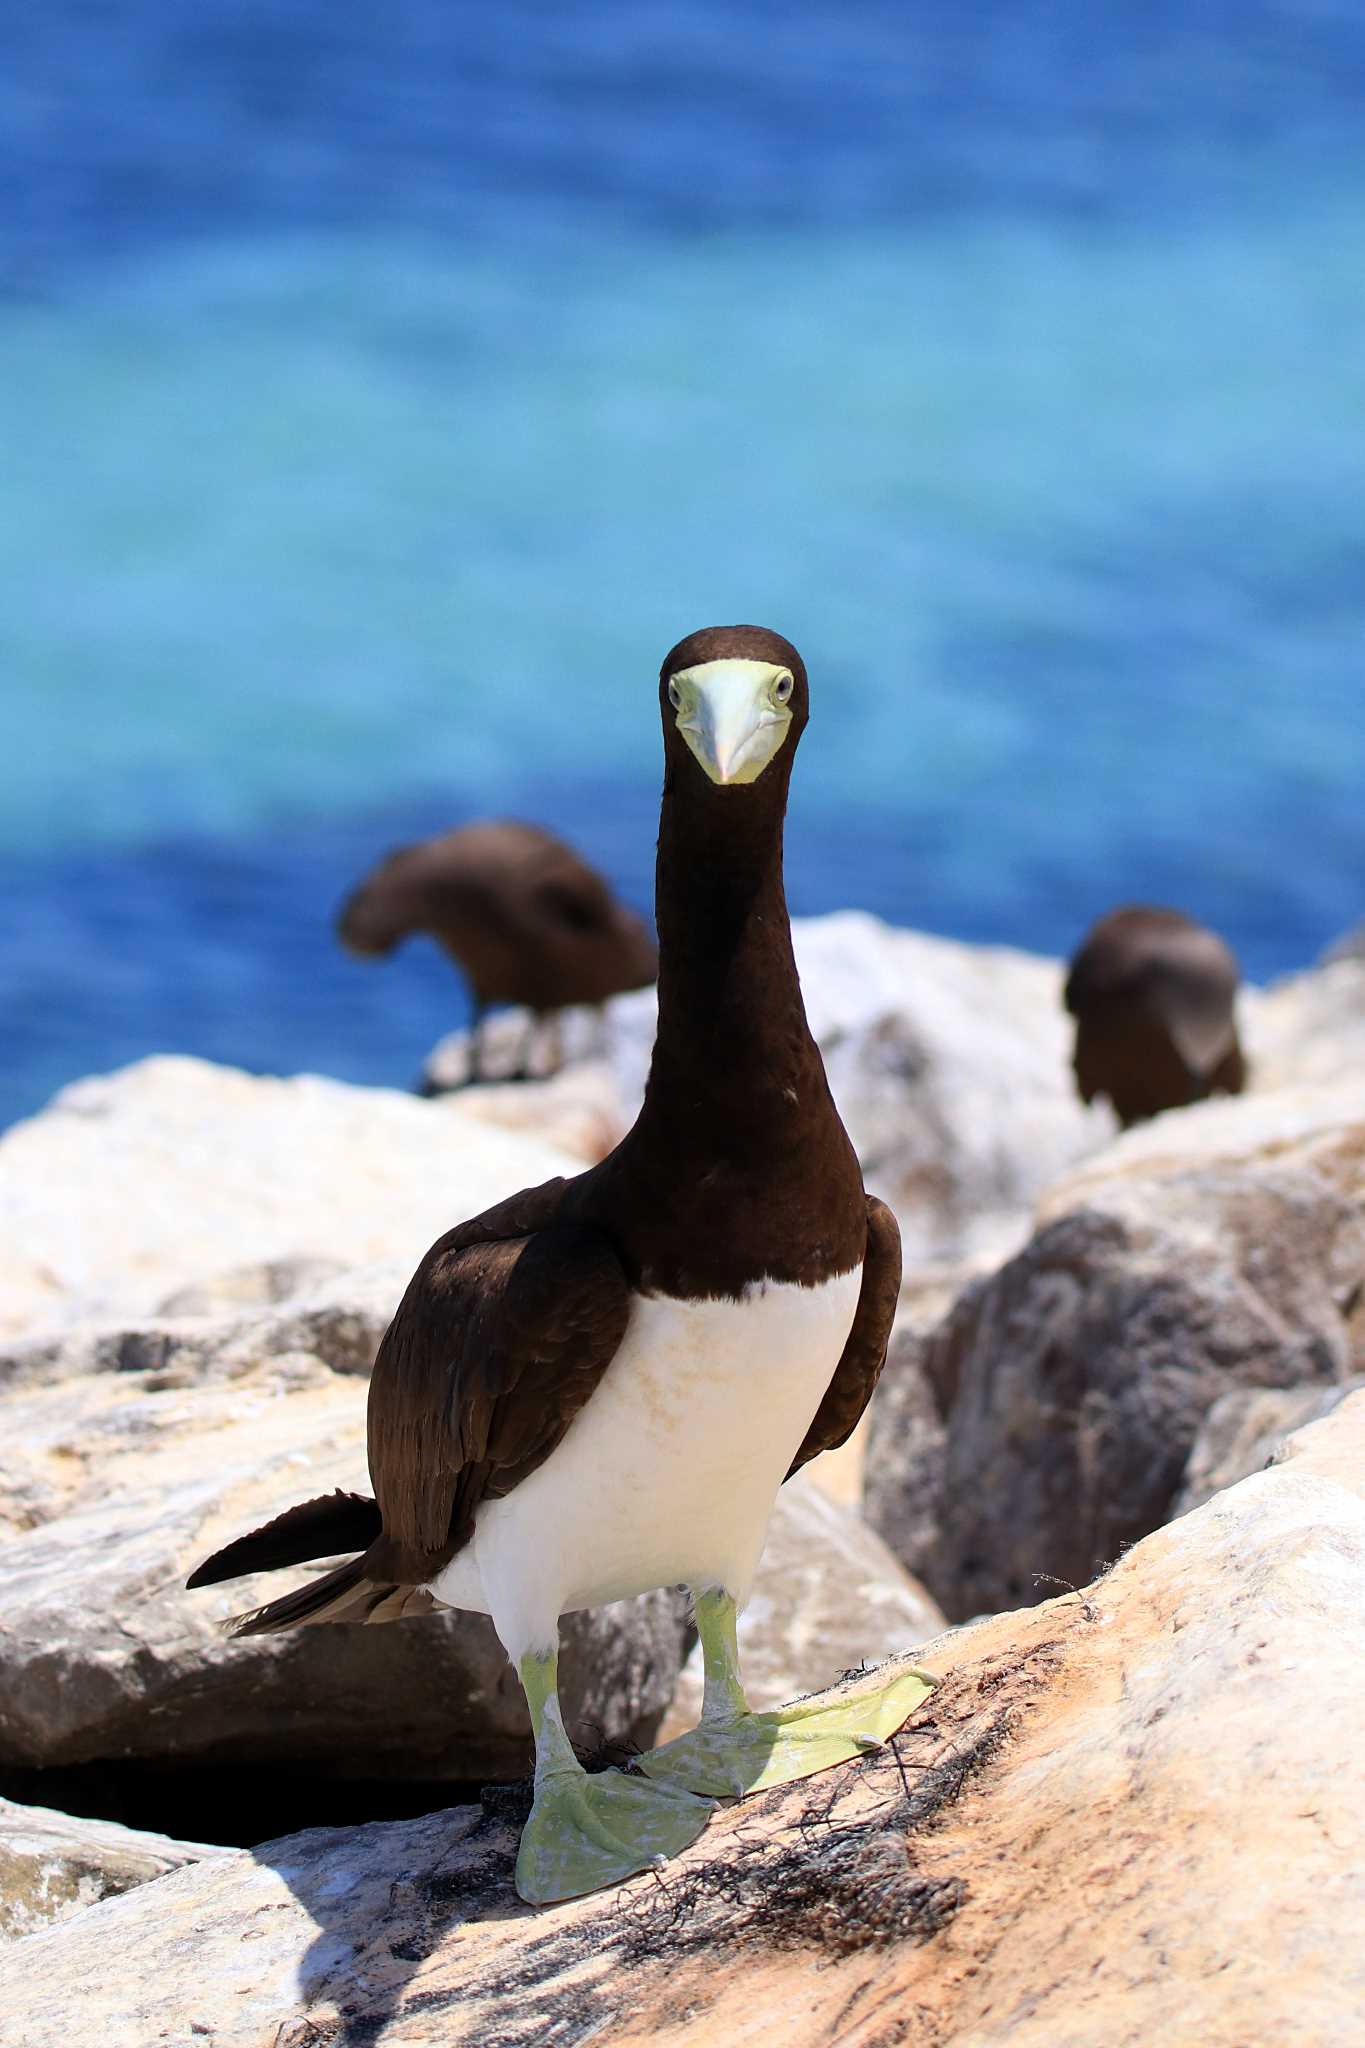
column 669, row 1474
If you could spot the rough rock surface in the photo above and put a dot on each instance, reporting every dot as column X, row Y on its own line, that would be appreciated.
column 1217, row 1247
column 1095, row 1830
column 53, row 1865
column 220, row 1329
column 578, row 1109
column 1245, row 1430
column 580, row 1038
column 904, row 1452
column 210, row 1260
column 116, row 1482
column 950, row 1064
column 1308, row 1029
column 138, row 1185
column 828, row 1598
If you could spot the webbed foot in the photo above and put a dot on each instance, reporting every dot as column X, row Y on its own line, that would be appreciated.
column 587, row 1832
column 730, row 1755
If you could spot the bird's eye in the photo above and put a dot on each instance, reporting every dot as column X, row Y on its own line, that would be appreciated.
column 675, row 696
column 782, row 688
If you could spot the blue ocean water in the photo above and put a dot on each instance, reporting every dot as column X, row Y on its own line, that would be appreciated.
column 383, row 390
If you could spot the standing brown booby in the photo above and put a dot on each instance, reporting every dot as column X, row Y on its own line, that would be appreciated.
column 1153, row 996
column 598, row 1386
column 523, row 915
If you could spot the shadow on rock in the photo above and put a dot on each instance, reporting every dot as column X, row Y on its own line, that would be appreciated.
column 382, row 1898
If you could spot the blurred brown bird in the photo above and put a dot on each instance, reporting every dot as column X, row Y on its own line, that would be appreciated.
column 519, row 912
column 1153, row 996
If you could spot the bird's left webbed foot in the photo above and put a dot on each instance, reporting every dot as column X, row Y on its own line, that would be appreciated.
column 732, row 1751
column 586, row 1832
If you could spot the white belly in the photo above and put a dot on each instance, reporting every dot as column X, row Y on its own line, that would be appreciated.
column 669, row 1474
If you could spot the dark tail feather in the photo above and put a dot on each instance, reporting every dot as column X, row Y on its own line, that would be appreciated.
column 319, row 1528
column 341, row 1595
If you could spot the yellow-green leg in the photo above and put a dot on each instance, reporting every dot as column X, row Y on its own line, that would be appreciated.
column 585, row 1832
column 732, row 1751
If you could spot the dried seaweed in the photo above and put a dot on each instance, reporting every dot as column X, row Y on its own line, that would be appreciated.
column 839, row 1886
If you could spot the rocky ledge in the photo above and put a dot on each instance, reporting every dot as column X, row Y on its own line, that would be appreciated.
column 1132, row 1809
column 192, row 1363
column 1218, row 1249
column 1132, row 1813
column 53, row 1864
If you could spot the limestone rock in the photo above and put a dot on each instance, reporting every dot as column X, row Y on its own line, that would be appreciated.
column 116, row 1482
column 905, row 1451
column 263, row 1284
column 135, row 1186
column 828, row 1598
column 1309, row 1029
column 1095, row 1830
column 577, row 1038
column 53, row 1865
column 1244, row 1430
column 1311, row 1121
column 337, row 1321
column 210, row 1260
column 951, row 1068
column 901, row 1437
column 1222, row 1246
column 578, row 1110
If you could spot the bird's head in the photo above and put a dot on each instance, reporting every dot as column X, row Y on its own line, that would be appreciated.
column 378, row 913
column 734, row 701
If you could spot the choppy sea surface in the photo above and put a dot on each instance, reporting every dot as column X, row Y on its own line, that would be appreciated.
column 382, row 390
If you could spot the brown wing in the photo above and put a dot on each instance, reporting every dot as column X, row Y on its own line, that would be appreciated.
column 504, row 1332
column 577, row 899
column 864, row 1354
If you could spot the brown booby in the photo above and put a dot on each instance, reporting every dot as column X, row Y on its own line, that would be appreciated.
column 523, row 915
column 597, row 1387
column 1153, row 996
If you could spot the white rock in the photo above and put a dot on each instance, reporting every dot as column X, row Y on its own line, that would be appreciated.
column 1219, row 1246
column 53, row 1864
column 117, row 1483
column 578, row 1109
column 1308, row 1028
column 1245, row 1429
column 211, row 1260
column 1129, row 1816
column 136, row 1184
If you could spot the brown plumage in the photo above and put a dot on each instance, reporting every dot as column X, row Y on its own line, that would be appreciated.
column 520, row 913
column 737, row 1170
column 1153, row 995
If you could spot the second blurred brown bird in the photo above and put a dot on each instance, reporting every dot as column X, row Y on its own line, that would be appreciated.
column 520, row 913
column 1153, row 996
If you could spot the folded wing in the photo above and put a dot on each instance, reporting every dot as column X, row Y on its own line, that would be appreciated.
column 506, row 1328
column 864, row 1353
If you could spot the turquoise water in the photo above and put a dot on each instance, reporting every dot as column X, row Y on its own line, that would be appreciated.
column 377, row 405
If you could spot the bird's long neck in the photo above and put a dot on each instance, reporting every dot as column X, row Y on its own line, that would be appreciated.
column 734, row 1057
